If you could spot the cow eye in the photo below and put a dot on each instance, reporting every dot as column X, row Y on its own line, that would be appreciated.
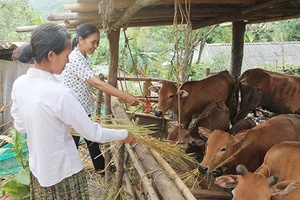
column 223, row 149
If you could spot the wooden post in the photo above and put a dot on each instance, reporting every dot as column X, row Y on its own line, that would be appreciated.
column 146, row 91
column 113, row 38
column 237, row 48
column 99, row 97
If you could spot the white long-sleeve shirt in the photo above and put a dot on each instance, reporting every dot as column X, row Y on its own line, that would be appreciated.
column 45, row 109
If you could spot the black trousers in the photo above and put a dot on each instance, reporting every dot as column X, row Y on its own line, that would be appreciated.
column 94, row 149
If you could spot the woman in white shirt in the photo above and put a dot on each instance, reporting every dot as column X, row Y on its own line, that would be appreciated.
column 45, row 109
column 79, row 76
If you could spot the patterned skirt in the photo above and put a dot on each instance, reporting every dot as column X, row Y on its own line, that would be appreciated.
column 74, row 187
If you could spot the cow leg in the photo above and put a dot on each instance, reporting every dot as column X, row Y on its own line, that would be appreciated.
column 251, row 98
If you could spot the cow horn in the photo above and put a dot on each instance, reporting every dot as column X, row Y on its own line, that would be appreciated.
column 273, row 180
column 241, row 169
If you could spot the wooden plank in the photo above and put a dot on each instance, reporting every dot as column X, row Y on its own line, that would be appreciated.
column 210, row 195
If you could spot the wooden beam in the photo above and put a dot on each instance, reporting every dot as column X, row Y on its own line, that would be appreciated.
column 131, row 10
column 259, row 20
column 123, row 4
column 263, row 5
column 73, row 16
column 207, row 195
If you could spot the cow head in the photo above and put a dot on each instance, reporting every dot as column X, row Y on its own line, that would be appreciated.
column 220, row 147
column 249, row 186
column 168, row 97
column 177, row 134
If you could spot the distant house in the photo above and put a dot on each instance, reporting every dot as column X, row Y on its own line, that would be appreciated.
column 9, row 71
column 257, row 54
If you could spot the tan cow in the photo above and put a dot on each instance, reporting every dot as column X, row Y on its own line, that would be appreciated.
column 282, row 161
column 278, row 93
column 248, row 147
column 195, row 96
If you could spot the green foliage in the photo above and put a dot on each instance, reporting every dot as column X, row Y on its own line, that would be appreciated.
column 14, row 13
column 291, row 28
column 17, row 186
column 217, row 64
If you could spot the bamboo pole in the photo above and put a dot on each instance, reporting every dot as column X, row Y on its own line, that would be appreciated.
column 146, row 183
column 120, row 113
column 128, row 187
column 164, row 185
column 173, row 175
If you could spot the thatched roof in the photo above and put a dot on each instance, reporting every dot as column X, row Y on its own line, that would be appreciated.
column 113, row 14
column 258, row 54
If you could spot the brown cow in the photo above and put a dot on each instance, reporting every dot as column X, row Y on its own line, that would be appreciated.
column 248, row 147
column 275, row 92
column 282, row 160
column 194, row 95
column 214, row 116
column 241, row 125
column 177, row 133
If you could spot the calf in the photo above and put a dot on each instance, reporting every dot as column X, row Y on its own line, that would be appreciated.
column 282, row 161
column 241, row 125
column 214, row 116
column 250, row 186
column 248, row 147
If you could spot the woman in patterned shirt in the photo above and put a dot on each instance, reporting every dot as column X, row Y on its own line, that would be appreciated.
column 79, row 76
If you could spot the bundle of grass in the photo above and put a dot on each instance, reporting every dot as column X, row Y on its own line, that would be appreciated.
column 173, row 154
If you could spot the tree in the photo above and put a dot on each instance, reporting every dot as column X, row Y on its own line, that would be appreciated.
column 14, row 13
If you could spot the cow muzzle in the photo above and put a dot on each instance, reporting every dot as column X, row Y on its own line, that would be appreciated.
column 158, row 113
column 202, row 169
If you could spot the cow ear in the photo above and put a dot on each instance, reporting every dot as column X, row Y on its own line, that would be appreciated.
column 183, row 93
column 154, row 89
column 284, row 187
column 204, row 132
column 227, row 181
column 239, row 137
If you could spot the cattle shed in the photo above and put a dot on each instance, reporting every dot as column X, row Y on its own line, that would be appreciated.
column 114, row 15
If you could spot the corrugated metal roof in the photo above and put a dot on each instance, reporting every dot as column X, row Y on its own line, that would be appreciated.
column 6, row 49
column 258, row 54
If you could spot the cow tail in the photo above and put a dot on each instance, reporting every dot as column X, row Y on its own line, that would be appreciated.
column 234, row 101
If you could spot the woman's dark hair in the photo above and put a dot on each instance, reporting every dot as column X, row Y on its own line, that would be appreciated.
column 84, row 31
column 45, row 38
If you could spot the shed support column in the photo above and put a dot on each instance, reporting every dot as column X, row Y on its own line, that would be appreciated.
column 113, row 38
column 237, row 48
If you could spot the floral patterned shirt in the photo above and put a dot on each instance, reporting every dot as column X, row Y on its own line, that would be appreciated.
column 77, row 71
